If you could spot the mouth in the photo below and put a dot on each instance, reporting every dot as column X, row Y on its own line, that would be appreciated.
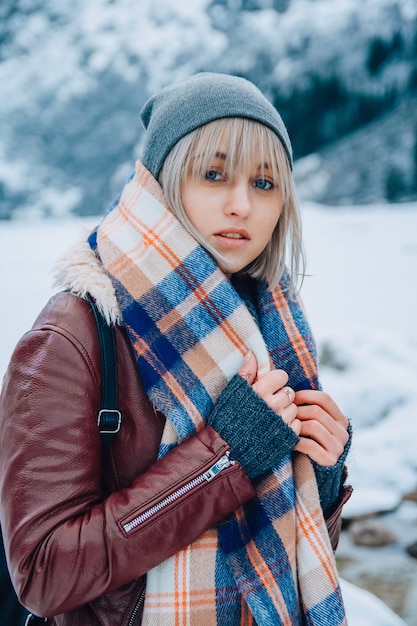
column 229, row 240
column 235, row 234
column 232, row 236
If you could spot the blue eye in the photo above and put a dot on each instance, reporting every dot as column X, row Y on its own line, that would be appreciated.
column 212, row 175
column 263, row 184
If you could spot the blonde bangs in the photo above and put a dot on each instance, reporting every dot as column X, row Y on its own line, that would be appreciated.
column 247, row 141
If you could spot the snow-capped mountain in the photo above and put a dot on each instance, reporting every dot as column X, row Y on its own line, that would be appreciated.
column 74, row 76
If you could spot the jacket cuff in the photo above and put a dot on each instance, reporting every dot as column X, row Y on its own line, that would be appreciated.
column 334, row 521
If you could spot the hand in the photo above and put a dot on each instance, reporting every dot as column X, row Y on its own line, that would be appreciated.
column 323, row 433
column 273, row 390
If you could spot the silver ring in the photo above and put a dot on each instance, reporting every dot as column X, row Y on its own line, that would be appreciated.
column 288, row 391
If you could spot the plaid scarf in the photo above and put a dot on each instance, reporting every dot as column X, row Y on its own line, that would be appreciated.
column 271, row 561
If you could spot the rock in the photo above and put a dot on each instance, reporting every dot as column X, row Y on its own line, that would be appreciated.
column 371, row 532
column 412, row 549
column 411, row 496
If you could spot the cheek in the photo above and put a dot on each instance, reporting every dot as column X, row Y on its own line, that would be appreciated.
column 268, row 228
column 278, row 215
column 271, row 225
column 186, row 201
column 195, row 201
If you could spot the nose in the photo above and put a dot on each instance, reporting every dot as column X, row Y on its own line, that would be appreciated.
column 238, row 199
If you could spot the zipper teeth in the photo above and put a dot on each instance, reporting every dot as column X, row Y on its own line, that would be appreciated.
column 160, row 505
column 137, row 607
column 221, row 464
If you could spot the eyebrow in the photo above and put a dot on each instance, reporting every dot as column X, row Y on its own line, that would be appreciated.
column 223, row 156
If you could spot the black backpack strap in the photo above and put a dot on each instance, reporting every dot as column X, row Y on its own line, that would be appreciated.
column 109, row 417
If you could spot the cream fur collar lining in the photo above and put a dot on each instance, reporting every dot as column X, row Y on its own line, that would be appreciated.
column 80, row 272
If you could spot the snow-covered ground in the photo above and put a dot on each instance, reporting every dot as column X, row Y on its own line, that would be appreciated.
column 362, row 302
column 361, row 298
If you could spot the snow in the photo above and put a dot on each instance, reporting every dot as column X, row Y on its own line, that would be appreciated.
column 365, row 609
column 361, row 299
column 74, row 42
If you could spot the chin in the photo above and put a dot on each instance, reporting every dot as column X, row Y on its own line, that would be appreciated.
column 229, row 270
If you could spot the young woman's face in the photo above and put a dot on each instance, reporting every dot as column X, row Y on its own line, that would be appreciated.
column 235, row 214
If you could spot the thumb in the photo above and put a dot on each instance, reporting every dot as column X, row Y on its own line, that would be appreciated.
column 249, row 368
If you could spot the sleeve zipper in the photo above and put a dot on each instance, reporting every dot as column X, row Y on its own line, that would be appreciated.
column 207, row 476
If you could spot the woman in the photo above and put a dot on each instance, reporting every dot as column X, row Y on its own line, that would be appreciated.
column 222, row 496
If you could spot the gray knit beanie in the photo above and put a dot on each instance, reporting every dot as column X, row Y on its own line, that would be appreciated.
column 179, row 109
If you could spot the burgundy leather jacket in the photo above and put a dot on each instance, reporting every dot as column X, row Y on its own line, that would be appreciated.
column 72, row 551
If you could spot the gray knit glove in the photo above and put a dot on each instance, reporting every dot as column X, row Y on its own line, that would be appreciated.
column 257, row 436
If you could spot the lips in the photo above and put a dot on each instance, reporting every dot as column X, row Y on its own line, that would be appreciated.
column 233, row 234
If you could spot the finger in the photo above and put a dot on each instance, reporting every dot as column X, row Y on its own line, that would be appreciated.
column 327, row 440
column 270, row 383
column 288, row 395
column 323, row 400
column 289, row 414
column 282, row 399
column 315, row 413
column 320, row 455
column 295, row 424
column 249, row 368
column 324, row 429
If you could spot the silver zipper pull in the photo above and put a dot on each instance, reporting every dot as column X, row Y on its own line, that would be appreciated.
column 220, row 465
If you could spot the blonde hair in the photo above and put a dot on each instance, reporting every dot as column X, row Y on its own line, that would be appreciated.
column 247, row 141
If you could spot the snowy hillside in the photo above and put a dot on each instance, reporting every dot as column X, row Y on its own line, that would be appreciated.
column 74, row 76
column 367, row 165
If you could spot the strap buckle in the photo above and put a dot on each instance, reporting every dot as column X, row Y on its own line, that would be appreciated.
column 109, row 421
column 33, row 619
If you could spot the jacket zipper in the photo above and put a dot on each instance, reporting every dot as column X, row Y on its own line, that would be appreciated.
column 207, row 476
column 137, row 607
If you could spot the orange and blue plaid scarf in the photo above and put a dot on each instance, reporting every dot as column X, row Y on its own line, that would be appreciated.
column 271, row 562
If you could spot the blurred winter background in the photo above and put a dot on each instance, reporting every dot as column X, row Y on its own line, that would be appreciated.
column 343, row 75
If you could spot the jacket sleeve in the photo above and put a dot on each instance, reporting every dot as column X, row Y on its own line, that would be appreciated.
column 334, row 518
column 67, row 545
